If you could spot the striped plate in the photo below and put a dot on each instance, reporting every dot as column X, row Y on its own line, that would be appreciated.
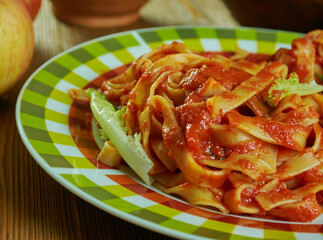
column 58, row 134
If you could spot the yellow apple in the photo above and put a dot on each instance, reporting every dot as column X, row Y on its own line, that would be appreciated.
column 16, row 42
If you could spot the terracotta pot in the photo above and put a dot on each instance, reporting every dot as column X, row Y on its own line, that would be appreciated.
column 98, row 13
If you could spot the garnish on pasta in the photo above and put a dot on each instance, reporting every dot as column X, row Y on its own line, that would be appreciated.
column 284, row 87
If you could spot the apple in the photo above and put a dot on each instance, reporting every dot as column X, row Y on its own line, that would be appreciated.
column 32, row 6
column 16, row 42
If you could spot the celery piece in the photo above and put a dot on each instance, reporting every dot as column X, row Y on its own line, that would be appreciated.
column 128, row 146
column 291, row 86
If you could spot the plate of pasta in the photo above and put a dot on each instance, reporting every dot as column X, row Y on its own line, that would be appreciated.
column 191, row 131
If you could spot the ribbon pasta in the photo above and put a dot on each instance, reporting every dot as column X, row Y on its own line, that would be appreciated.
column 214, row 141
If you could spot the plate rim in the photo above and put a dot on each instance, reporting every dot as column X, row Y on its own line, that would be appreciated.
column 72, row 188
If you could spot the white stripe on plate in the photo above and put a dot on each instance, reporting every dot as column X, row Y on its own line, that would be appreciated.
column 248, row 232
column 85, row 72
column 137, row 36
column 110, row 61
column 248, row 45
column 308, row 236
column 138, row 51
column 57, row 106
column 211, row 44
column 282, row 45
column 57, row 127
column 64, row 86
column 82, row 170
column 69, row 151
column 140, row 201
column 191, row 219
column 99, row 178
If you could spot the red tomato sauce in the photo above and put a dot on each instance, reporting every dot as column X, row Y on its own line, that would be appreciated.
column 228, row 78
column 209, row 54
column 304, row 211
column 257, row 57
column 281, row 133
column 195, row 120
column 280, row 193
column 248, row 196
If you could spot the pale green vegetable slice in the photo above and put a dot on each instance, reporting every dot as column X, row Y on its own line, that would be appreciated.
column 291, row 85
column 128, row 146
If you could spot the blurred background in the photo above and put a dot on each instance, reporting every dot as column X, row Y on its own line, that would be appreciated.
column 292, row 15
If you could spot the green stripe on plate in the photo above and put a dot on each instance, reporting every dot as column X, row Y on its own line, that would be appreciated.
column 57, row 161
column 228, row 44
column 150, row 216
column 32, row 109
column 47, row 78
column 44, row 147
column 79, row 180
column 286, row 37
column 206, row 232
column 68, row 61
column 61, row 97
column 186, row 33
column 127, row 40
column 40, row 88
column 239, row 237
column 79, row 162
column 219, row 226
column 164, row 210
column 56, row 116
column 274, row 234
column 150, row 36
column 96, row 49
column 98, row 193
column 81, row 55
column 56, row 69
column 34, row 98
column 167, row 34
column 246, row 34
column 266, row 35
column 180, row 226
column 119, row 190
column 266, row 47
column 194, row 44
column 111, row 44
column 32, row 121
column 76, row 79
column 206, row 32
column 226, row 33
column 97, row 66
column 63, row 139
column 37, row 134
column 124, row 56
column 121, row 205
